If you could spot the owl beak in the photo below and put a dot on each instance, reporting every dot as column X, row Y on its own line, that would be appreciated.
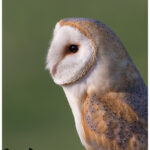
column 53, row 70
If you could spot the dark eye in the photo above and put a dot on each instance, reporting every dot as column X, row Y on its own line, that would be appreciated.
column 73, row 48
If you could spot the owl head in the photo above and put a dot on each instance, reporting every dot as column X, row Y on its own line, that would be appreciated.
column 80, row 44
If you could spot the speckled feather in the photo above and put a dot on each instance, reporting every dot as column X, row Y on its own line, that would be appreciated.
column 111, row 124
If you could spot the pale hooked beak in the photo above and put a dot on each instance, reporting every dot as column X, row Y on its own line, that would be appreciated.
column 54, row 69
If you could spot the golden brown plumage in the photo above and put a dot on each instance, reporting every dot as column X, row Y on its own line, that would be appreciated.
column 106, row 93
column 112, row 124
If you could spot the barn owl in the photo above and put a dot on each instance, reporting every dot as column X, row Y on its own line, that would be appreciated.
column 105, row 91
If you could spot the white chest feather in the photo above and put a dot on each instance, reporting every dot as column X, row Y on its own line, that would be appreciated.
column 75, row 104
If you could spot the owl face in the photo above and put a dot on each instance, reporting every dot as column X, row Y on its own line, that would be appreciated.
column 70, row 55
column 80, row 44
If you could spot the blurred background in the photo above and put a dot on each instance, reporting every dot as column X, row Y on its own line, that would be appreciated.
column 36, row 113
